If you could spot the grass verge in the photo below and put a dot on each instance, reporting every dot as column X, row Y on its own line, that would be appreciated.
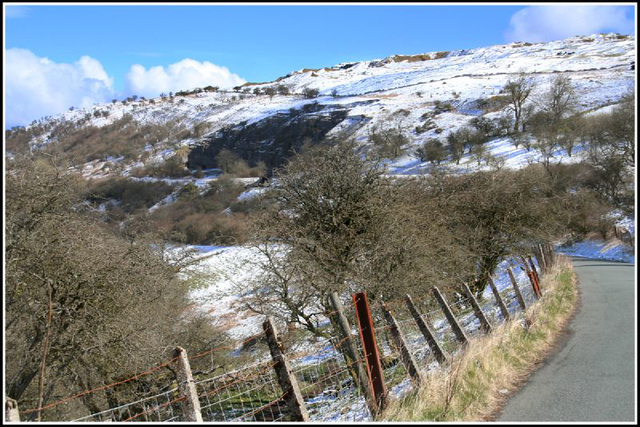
column 476, row 383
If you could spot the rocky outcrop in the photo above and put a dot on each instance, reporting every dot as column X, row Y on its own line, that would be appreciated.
column 273, row 139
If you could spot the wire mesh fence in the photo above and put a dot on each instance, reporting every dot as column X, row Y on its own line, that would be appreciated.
column 326, row 374
column 329, row 383
column 163, row 407
column 248, row 394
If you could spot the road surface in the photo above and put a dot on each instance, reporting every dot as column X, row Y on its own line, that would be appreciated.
column 591, row 375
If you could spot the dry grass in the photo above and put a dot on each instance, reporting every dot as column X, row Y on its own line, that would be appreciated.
column 475, row 385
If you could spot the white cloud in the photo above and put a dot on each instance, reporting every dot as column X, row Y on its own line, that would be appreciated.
column 37, row 87
column 547, row 23
column 184, row 75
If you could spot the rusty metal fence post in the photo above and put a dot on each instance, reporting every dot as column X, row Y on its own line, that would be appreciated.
column 350, row 345
column 370, row 347
column 286, row 378
column 533, row 268
column 532, row 279
column 534, row 275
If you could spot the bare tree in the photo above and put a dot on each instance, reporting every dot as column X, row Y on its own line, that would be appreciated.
column 498, row 213
column 518, row 90
column 83, row 304
column 560, row 99
column 337, row 225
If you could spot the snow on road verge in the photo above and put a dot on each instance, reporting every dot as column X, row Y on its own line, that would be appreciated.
column 599, row 249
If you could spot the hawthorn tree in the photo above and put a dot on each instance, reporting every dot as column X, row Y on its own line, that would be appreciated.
column 84, row 305
column 518, row 90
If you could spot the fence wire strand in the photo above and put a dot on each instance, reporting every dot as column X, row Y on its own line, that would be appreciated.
column 327, row 378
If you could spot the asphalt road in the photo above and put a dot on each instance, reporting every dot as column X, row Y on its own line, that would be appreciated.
column 590, row 376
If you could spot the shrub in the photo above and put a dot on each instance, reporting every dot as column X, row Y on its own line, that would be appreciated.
column 231, row 163
column 442, row 107
column 283, row 90
column 310, row 93
column 189, row 190
column 426, row 126
column 170, row 168
column 196, row 218
column 124, row 137
column 432, row 151
column 493, row 103
column 132, row 195
column 105, row 290
column 388, row 143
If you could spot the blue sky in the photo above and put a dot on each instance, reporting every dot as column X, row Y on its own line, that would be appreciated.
column 79, row 55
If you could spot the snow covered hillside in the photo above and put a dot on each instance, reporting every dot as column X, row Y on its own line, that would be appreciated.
column 401, row 90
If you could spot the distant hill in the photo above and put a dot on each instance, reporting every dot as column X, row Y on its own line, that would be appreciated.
column 424, row 96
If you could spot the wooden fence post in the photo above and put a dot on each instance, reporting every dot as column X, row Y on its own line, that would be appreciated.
column 498, row 297
column 455, row 326
column 186, row 386
column 351, row 349
column 428, row 334
column 286, row 377
column 370, row 347
column 550, row 254
column 405, row 355
column 484, row 323
column 11, row 412
column 544, row 249
column 543, row 259
column 523, row 306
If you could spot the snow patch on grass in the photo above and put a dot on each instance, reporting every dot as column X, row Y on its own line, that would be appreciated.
column 599, row 249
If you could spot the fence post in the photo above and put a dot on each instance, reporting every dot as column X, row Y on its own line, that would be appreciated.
column 405, row 355
column 11, row 412
column 496, row 294
column 345, row 329
column 455, row 327
column 372, row 356
column 544, row 248
column 286, row 377
column 550, row 254
column 532, row 278
column 533, row 268
column 426, row 332
column 543, row 259
column 187, row 388
column 484, row 323
column 536, row 276
column 523, row 306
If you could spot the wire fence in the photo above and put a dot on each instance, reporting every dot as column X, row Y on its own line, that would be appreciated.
column 247, row 394
column 325, row 379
